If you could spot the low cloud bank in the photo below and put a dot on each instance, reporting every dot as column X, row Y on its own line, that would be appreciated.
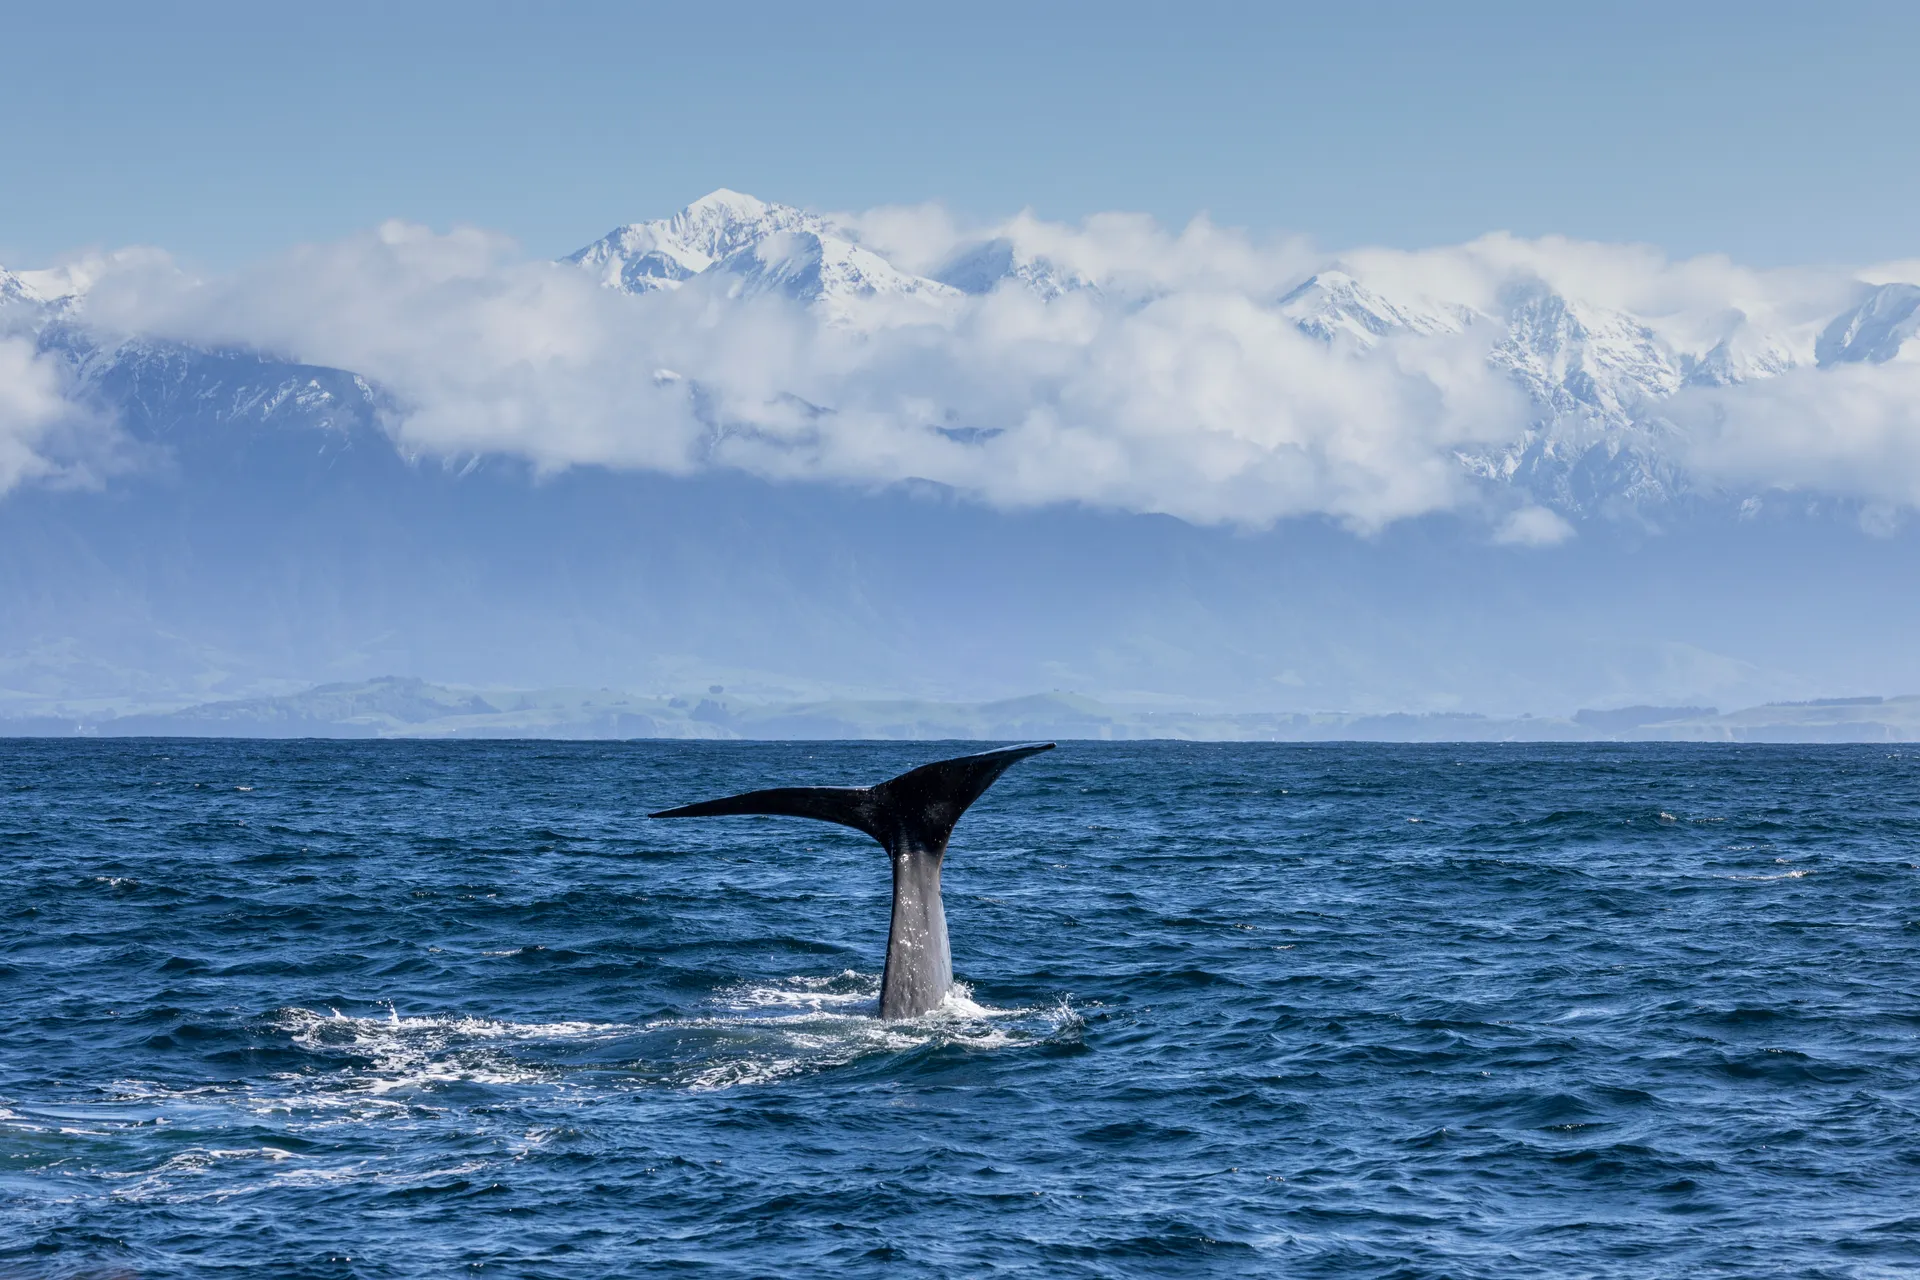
column 1117, row 364
column 46, row 432
column 1852, row 431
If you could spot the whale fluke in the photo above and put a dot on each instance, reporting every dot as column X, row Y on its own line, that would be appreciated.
column 911, row 816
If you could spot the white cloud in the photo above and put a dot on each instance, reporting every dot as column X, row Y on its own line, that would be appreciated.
column 1851, row 431
column 44, row 435
column 1199, row 402
column 913, row 237
column 1171, row 385
column 1533, row 527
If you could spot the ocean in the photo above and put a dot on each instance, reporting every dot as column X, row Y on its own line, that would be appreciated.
column 401, row 1009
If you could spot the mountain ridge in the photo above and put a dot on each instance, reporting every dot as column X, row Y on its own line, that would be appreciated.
column 407, row 707
column 1598, row 379
column 269, row 524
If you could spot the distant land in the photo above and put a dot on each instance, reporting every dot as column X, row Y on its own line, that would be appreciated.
column 1509, row 476
column 398, row 707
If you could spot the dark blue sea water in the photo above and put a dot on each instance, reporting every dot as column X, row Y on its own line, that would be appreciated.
column 300, row 1009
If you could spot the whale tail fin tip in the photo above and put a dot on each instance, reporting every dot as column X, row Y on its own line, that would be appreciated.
column 921, row 805
column 854, row 807
column 929, row 800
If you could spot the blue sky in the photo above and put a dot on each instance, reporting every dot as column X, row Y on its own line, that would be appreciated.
column 224, row 132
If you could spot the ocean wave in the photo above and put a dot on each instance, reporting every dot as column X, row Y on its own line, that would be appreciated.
column 390, row 1029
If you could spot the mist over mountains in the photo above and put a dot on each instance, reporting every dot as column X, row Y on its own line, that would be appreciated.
column 812, row 456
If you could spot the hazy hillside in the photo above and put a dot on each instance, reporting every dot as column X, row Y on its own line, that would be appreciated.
column 408, row 708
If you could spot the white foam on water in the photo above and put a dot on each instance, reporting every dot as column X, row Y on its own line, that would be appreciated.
column 181, row 1179
column 763, row 1033
column 363, row 1172
column 416, row 1052
column 846, row 991
column 755, row 1034
column 194, row 1158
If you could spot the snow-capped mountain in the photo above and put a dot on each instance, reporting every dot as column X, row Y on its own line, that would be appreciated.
column 1743, row 355
column 1596, row 376
column 226, row 410
column 14, row 291
column 253, row 520
column 169, row 392
column 825, row 270
column 983, row 267
column 644, row 257
column 1583, row 362
column 1591, row 374
column 178, row 395
column 1333, row 306
column 777, row 248
column 756, row 248
column 1873, row 332
column 31, row 298
column 1599, row 378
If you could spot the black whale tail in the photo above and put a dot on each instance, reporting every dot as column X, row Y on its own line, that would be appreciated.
column 911, row 816
column 916, row 810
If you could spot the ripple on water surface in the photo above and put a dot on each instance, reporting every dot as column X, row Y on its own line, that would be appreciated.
column 384, row 1009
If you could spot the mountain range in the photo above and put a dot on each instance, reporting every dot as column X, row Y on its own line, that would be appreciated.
column 1597, row 378
column 410, row 708
column 257, row 524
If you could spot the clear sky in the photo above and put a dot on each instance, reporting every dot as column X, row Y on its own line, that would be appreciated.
column 1775, row 133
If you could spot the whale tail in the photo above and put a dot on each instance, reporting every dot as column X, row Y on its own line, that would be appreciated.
column 917, row 810
column 912, row 816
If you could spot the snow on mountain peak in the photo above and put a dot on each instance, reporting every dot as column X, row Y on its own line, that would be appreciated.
column 761, row 248
column 1874, row 331
column 644, row 257
column 1743, row 355
column 810, row 267
column 1332, row 304
column 13, row 289
column 723, row 222
column 45, row 288
column 641, row 258
column 1596, row 375
column 1585, row 360
column 981, row 267
column 726, row 202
